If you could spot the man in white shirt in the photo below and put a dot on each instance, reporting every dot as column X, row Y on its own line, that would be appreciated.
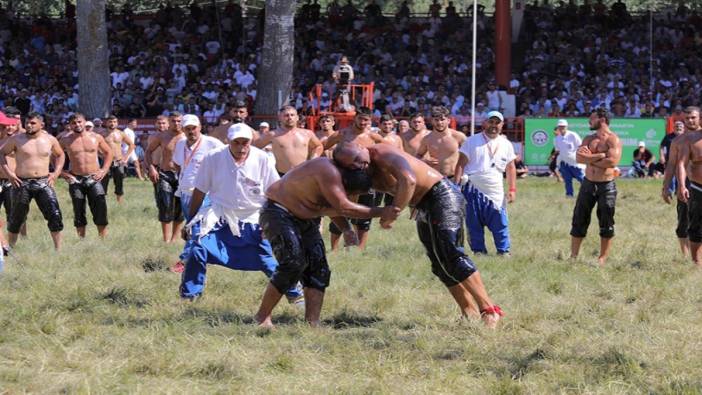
column 133, row 159
column 187, row 157
column 226, row 232
column 567, row 143
column 485, row 157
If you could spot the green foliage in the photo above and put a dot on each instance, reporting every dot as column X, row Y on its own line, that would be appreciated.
column 105, row 317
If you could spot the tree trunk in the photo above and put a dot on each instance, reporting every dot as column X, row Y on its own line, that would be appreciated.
column 276, row 71
column 93, row 58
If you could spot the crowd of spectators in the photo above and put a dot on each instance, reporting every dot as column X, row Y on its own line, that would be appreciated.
column 177, row 59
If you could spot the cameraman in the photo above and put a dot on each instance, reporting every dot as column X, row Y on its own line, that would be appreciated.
column 343, row 75
column 343, row 72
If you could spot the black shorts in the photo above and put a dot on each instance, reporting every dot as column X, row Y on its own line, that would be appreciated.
column 86, row 188
column 683, row 220
column 694, row 206
column 298, row 247
column 604, row 194
column 6, row 197
column 383, row 198
column 368, row 200
column 440, row 217
column 168, row 203
column 45, row 196
column 117, row 172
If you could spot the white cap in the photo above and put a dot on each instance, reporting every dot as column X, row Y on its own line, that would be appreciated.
column 190, row 120
column 496, row 114
column 239, row 131
column 562, row 122
column 642, row 144
column 89, row 123
column 264, row 125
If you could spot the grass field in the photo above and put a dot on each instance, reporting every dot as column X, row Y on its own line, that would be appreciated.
column 104, row 317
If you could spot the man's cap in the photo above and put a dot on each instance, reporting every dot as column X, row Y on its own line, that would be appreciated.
column 642, row 144
column 89, row 123
column 562, row 122
column 190, row 120
column 239, row 131
column 496, row 114
column 679, row 123
column 239, row 104
column 264, row 124
column 96, row 120
column 7, row 121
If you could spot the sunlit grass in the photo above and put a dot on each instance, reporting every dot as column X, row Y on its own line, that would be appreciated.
column 104, row 317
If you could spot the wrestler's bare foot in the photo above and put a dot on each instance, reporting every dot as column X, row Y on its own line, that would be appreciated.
column 491, row 320
column 264, row 323
column 315, row 324
column 601, row 261
column 491, row 316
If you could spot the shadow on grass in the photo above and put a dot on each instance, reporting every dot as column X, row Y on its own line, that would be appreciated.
column 522, row 365
column 154, row 265
column 346, row 319
column 124, row 297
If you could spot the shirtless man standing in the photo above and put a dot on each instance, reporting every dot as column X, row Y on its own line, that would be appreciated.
column 689, row 167
column 8, row 127
column 291, row 145
column 360, row 134
column 290, row 221
column 442, row 144
column 84, row 176
column 412, row 138
column 671, row 157
column 115, row 138
column 165, row 176
column 326, row 130
column 31, row 179
column 440, row 216
column 600, row 152
column 238, row 113
column 387, row 131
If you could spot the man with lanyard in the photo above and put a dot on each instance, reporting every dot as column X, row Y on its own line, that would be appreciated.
column 226, row 232
column 187, row 157
column 485, row 157
column 567, row 143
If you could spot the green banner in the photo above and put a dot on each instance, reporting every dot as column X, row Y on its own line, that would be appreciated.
column 538, row 136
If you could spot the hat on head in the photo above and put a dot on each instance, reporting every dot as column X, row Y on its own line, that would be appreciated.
column 239, row 131
column 96, row 120
column 264, row 124
column 562, row 122
column 190, row 120
column 642, row 144
column 496, row 114
column 7, row 121
column 239, row 104
column 89, row 123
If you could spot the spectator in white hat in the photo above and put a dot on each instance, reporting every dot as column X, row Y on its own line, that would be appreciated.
column 567, row 143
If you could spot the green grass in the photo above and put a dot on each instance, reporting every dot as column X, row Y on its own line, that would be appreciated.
column 104, row 317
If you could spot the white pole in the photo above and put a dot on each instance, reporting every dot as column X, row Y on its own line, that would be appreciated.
column 650, row 46
column 475, row 51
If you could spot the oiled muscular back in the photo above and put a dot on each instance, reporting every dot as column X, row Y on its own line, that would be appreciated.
column 386, row 159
